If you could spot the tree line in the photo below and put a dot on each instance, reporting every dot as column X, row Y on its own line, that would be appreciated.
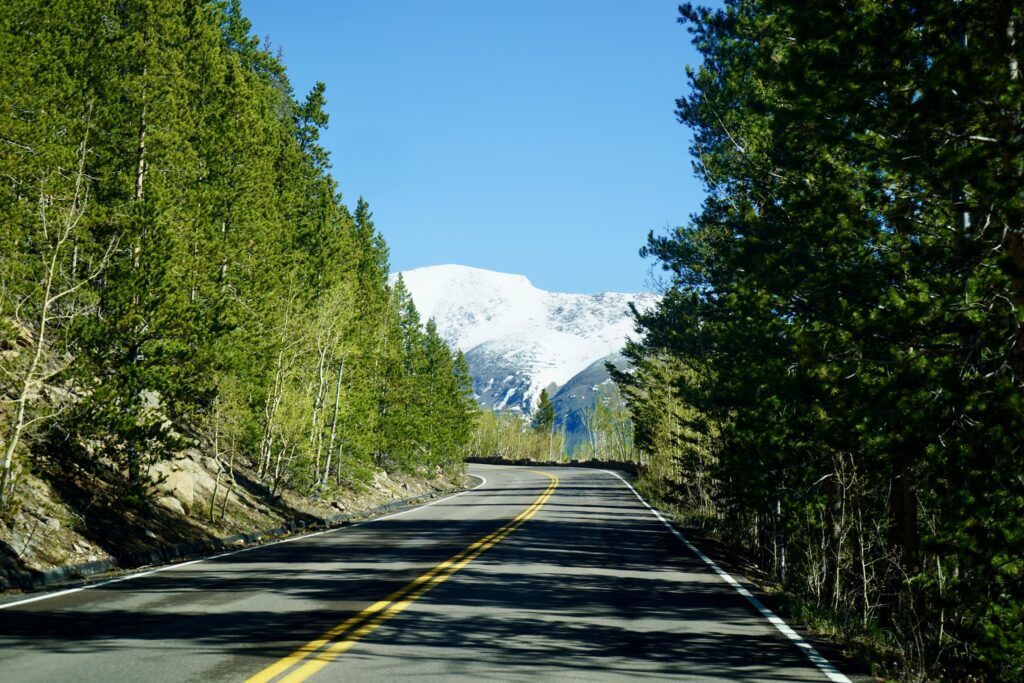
column 607, row 433
column 833, row 380
column 178, row 267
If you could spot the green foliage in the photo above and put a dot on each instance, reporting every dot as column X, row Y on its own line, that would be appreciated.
column 508, row 436
column 544, row 415
column 222, row 287
column 841, row 339
column 609, row 427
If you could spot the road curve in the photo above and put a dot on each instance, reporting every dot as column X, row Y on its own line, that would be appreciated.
column 552, row 574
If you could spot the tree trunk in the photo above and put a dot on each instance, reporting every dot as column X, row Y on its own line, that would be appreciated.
column 270, row 407
column 231, row 487
column 903, row 515
column 34, row 377
column 316, row 437
column 334, row 425
column 140, row 164
column 216, row 457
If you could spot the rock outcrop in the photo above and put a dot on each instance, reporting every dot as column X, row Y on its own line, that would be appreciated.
column 178, row 483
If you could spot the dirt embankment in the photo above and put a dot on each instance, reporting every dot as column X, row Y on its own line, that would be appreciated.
column 78, row 514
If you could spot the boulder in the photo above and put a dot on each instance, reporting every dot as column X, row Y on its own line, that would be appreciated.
column 160, row 471
column 184, row 478
column 171, row 503
column 202, row 481
column 177, row 485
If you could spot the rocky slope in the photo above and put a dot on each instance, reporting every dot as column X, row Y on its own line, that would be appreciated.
column 76, row 512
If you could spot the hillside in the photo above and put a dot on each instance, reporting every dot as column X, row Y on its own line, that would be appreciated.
column 179, row 274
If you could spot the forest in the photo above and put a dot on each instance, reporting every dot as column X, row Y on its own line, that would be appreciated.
column 833, row 380
column 178, row 268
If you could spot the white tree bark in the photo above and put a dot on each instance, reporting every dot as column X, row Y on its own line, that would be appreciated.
column 54, row 305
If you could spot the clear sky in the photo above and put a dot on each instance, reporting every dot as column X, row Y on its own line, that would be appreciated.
column 534, row 137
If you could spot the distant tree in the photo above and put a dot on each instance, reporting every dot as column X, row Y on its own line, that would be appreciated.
column 609, row 426
column 544, row 418
column 465, row 407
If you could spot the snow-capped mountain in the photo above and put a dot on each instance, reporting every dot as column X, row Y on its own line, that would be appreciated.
column 517, row 338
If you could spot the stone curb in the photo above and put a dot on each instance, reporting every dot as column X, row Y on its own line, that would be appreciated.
column 37, row 579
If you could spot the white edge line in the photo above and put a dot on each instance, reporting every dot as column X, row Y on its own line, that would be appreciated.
column 69, row 591
column 826, row 667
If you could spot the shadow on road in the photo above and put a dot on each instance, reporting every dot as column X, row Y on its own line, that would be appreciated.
column 591, row 584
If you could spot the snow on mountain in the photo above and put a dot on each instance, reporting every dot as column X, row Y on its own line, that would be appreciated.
column 517, row 338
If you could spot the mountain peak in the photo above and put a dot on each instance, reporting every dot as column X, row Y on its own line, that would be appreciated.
column 454, row 271
column 520, row 339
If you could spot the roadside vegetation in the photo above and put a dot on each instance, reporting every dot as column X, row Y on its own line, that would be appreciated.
column 833, row 380
column 507, row 435
column 179, row 271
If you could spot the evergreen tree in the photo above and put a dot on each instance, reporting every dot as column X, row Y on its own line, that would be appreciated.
column 841, row 327
column 544, row 415
column 221, row 291
column 464, row 409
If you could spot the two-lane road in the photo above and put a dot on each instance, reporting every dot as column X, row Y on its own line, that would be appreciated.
column 553, row 574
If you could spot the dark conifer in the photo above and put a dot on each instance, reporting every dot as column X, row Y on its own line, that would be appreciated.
column 544, row 415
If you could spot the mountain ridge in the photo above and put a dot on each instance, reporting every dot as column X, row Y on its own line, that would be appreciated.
column 519, row 339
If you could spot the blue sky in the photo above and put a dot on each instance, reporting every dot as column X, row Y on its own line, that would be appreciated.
column 534, row 137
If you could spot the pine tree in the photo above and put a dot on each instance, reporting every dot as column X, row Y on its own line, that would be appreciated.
column 544, row 415
column 826, row 307
column 465, row 410
column 232, row 297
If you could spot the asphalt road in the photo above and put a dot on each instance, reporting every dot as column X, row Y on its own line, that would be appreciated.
column 555, row 574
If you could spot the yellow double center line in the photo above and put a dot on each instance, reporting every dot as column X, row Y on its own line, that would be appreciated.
column 317, row 654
